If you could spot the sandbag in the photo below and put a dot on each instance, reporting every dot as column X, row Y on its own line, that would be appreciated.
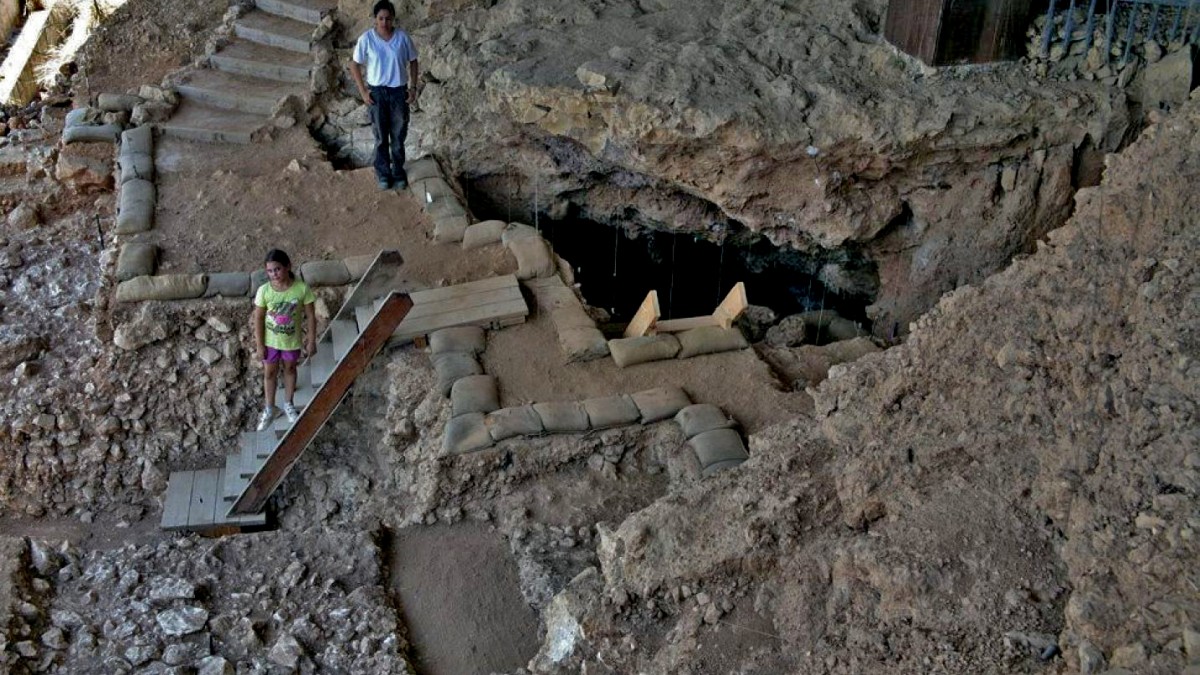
column 709, row 340
column 422, row 169
column 325, row 273
column 611, row 411
column 571, row 315
column 445, row 207
column 228, row 285
column 357, row 266
column 562, row 417
column 482, row 234
column 660, row 403
column 117, row 102
column 137, row 141
column 509, row 422
column 453, row 366
column 635, row 350
column 470, row 339
column 131, row 166
column 162, row 287
column 465, row 433
column 136, row 260
column 718, row 449
column 81, row 117
column 701, row 417
column 101, row 133
column 534, row 259
column 136, row 212
column 258, row 277
column 516, row 231
column 431, row 190
column 474, row 394
column 450, row 229
column 582, row 344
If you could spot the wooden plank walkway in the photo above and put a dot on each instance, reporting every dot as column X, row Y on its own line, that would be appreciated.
column 232, row 497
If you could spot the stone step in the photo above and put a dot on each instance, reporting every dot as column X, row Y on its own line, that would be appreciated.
column 196, row 122
column 195, row 502
column 243, row 57
column 230, row 91
column 275, row 31
column 308, row 11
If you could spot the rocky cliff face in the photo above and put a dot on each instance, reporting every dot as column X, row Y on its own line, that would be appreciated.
column 793, row 119
column 1013, row 486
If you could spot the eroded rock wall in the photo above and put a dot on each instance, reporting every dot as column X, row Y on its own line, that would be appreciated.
column 1016, row 484
column 792, row 118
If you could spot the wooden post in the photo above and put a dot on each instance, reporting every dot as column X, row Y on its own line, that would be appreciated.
column 645, row 318
column 732, row 306
column 326, row 400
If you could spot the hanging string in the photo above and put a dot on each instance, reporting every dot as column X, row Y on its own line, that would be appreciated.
column 821, row 316
column 537, row 179
column 613, row 286
column 671, row 292
column 720, row 269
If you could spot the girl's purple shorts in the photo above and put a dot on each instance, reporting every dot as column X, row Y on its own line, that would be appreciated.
column 277, row 355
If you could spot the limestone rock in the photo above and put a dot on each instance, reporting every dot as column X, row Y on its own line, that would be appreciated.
column 24, row 217
column 182, row 620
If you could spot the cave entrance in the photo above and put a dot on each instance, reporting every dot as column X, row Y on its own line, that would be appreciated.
column 617, row 266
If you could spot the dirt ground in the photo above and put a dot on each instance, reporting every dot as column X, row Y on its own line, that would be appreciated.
column 221, row 207
column 460, row 598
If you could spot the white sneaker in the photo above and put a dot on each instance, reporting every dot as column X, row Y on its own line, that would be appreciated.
column 291, row 412
column 268, row 415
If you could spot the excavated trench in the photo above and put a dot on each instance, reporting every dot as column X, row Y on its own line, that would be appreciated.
column 617, row 264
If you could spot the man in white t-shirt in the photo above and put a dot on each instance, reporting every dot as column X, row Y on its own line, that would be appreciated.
column 391, row 85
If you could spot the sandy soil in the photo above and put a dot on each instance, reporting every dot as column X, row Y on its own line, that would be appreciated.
column 221, row 207
column 528, row 363
column 461, row 600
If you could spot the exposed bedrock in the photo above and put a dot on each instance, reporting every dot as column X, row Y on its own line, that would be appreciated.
column 792, row 118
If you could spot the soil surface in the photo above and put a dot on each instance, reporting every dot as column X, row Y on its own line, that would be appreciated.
column 461, row 599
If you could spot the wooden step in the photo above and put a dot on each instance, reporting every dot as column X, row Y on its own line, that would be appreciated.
column 344, row 335
column 233, row 482
column 308, row 11
column 244, row 57
column 364, row 313
column 322, row 363
column 274, row 31
column 257, row 444
column 195, row 502
column 492, row 302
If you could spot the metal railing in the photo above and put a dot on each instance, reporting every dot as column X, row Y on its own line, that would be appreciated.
column 1173, row 20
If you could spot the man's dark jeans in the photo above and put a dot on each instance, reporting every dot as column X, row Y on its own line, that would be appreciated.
column 389, row 120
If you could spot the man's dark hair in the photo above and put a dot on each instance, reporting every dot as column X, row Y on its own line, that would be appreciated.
column 382, row 5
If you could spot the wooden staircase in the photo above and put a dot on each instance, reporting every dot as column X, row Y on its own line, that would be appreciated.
column 232, row 498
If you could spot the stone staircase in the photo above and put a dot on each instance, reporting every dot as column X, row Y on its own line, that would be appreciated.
column 233, row 497
column 268, row 59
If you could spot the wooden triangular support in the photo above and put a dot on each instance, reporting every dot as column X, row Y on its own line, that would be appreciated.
column 646, row 320
column 326, row 400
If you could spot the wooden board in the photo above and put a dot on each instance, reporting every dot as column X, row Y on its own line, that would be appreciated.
column 369, row 342
column 645, row 318
column 344, row 334
column 322, row 363
column 447, row 292
column 381, row 278
column 178, row 500
column 486, row 315
column 732, row 306
column 206, row 494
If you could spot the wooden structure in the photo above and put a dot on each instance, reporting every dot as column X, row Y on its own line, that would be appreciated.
column 232, row 498
column 949, row 32
column 646, row 320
